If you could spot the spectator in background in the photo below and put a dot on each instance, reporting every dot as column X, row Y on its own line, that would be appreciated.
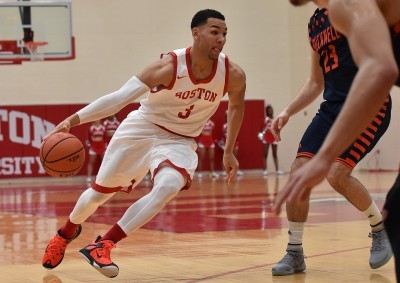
column 267, row 138
column 97, row 146
column 206, row 146
column 111, row 124
column 221, row 142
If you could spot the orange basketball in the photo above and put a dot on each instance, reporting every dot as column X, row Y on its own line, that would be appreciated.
column 62, row 155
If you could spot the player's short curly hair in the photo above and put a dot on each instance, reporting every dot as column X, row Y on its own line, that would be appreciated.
column 201, row 17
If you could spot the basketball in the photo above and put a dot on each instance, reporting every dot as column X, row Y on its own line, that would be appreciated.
column 62, row 155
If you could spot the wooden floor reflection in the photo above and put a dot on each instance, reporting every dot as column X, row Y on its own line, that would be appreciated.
column 210, row 233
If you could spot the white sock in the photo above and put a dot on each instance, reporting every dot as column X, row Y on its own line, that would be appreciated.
column 296, row 233
column 374, row 216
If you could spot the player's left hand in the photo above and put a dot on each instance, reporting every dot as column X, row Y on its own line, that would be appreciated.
column 301, row 182
column 231, row 165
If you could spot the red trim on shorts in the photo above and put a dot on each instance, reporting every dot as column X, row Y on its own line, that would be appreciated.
column 107, row 190
column 348, row 162
column 305, row 154
column 183, row 171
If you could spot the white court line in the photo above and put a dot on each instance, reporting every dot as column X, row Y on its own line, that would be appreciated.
column 380, row 196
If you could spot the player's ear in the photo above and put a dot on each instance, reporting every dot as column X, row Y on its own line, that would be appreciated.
column 195, row 33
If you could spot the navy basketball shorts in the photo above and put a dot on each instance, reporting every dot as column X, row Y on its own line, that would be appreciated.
column 319, row 128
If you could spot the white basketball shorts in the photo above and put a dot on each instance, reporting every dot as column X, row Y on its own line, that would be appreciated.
column 139, row 146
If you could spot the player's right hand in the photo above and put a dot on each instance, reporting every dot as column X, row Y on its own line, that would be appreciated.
column 66, row 125
column 277, row 125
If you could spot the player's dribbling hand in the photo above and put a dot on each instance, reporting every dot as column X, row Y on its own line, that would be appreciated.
column 64, row 126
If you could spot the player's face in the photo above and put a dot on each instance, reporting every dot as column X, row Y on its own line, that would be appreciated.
column 270, row 112
column 211, row 37
column 299, row 2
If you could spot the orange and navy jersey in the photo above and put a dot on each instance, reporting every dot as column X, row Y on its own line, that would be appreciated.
column 337, row 64
column 395, row 33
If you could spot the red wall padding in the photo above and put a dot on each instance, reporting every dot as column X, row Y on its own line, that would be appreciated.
column 22, row 129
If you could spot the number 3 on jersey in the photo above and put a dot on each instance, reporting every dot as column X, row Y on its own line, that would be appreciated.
column 330, row 53
column 187, row 112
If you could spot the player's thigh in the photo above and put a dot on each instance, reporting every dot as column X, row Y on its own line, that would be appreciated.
column 178, row 155
column 298, row 162
column 314, row 136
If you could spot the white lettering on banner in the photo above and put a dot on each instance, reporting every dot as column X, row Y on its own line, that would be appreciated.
column 34, row 128
column 41, row 128
column 20, row 165
column 14, row 117
column 3, row 117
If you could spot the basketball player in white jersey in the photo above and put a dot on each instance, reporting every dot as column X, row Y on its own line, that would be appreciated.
column 186, row 87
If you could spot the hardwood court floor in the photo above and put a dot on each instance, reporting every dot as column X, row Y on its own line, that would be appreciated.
column 210, row 233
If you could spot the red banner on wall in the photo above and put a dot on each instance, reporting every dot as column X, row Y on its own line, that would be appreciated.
column 22, row 129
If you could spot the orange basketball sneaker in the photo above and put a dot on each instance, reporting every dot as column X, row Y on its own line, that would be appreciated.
column 98, row 255
column 55, row 250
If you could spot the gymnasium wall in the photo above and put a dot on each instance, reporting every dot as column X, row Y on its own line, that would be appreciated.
column 22, row 129
column 117, row 39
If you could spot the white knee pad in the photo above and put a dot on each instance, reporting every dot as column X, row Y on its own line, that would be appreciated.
column 169, row 181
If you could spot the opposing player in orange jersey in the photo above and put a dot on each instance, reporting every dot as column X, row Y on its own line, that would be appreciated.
column 186, row 87
column 372, row 28
column 332, row 70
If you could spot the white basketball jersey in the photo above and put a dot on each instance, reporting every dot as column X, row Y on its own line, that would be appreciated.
column 185, row 106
